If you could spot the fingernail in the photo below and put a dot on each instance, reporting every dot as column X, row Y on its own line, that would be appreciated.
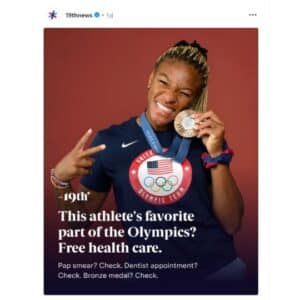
column 90, row 130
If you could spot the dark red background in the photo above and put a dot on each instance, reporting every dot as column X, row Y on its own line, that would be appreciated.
column 98, row 77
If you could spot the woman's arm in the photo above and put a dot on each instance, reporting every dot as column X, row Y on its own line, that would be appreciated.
column 227, row 202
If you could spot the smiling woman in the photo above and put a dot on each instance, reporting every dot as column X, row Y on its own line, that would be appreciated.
column 172, row 87
column 178, row 81
column 158, row 170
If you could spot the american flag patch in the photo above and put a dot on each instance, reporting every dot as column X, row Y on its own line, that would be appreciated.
column 159, row 167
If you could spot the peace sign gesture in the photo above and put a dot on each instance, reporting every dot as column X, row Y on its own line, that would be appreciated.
column 78, row 161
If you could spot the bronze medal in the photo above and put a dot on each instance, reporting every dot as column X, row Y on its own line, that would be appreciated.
column 184, row 124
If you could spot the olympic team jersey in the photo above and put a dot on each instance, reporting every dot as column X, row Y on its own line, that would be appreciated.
column 143, row 181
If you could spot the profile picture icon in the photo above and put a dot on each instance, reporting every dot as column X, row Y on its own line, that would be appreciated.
column 52, row 15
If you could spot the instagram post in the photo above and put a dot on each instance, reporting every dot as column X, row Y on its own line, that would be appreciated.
column 148, row 149
column 151, row 160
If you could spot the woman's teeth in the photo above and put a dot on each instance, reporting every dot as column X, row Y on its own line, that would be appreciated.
column 163, row 108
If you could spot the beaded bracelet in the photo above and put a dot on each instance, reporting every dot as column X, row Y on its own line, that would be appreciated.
column 57, row 183
column 224, row 158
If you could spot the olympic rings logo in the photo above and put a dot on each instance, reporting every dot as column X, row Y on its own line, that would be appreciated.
column 160, row 183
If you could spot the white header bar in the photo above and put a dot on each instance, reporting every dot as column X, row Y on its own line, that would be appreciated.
column 188, row 13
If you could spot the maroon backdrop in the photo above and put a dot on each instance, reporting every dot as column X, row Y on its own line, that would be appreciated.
column 98, row 77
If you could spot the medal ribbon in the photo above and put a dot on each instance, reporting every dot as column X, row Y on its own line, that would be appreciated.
column 179, row 147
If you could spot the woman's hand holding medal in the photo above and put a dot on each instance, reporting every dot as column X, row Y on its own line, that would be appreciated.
column 206, row 126
column 211, row 129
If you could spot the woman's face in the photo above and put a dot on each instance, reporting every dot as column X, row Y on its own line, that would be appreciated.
column 172, row 87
